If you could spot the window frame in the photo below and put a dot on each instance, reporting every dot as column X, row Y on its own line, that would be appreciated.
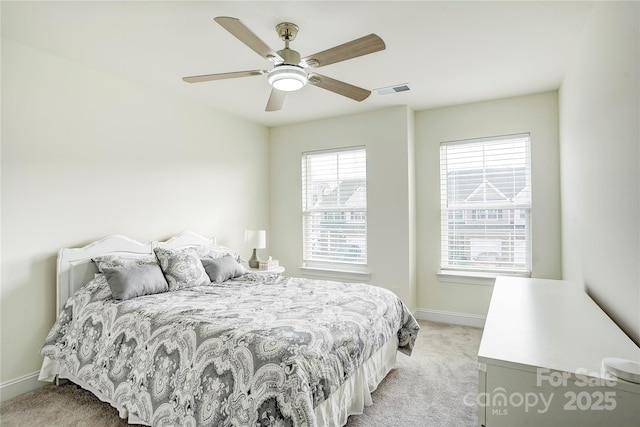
column 313, row 265
column 490, row 214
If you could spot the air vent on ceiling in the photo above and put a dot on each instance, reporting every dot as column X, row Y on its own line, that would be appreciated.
column 393, row 89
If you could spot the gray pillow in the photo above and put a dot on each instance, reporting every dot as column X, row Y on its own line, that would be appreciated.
column 181, row 267
column 223, row 268
column 135, row 281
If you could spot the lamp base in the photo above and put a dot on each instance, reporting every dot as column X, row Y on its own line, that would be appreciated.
column 254, row 261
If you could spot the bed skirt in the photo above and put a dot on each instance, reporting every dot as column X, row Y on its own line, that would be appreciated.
column 356, row 390
column 333, row 412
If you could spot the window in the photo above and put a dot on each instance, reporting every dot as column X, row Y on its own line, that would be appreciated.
column 485, row 188
column 334, row 211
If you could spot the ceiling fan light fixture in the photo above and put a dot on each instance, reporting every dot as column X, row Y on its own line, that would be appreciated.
column 287, row 78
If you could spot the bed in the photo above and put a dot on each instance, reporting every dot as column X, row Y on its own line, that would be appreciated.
column 236, row 349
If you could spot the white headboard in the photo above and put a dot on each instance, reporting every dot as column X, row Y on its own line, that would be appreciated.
column 75, row 267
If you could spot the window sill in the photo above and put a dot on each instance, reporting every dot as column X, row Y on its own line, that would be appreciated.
column 336, row 274
column 474, row 277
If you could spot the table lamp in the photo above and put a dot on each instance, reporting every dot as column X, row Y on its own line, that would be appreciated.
column 255, row 239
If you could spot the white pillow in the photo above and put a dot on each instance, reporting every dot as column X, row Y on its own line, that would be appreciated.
column 114, row 260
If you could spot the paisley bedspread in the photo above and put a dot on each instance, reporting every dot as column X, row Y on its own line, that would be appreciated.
column 253, row 351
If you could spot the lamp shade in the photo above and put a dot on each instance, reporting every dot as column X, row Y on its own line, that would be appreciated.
column 256, row 239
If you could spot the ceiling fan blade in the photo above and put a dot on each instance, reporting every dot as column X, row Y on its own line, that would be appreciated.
column 341, row 88
column 362, row 46
column 276, row 100
column 222, row 76
column 246, row 36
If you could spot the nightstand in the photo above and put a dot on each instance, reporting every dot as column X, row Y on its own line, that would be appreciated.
column 276, row 270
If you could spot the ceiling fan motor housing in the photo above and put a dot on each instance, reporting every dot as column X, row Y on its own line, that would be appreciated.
column 289, row 56
column 288, row 75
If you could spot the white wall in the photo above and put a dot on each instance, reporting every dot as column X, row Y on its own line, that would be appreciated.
column 387, row 134
column 599, row 115
column 536, row 114
column 86, row 154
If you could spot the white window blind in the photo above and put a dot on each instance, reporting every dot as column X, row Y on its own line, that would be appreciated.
column 334, row 198
column 485, row 187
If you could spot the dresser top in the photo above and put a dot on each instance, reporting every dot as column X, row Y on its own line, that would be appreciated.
column 551, row 324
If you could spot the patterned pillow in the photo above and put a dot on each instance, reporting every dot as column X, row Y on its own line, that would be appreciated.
column 182, row 268
column 217, row 251
column 114, row 261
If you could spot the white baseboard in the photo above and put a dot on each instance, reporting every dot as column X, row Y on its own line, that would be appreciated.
column 454, row 318
column 18, row 386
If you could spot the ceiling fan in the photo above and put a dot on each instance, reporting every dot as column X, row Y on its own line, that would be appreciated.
column 290, row 72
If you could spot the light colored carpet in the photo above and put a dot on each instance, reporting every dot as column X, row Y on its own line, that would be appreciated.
column 436, row 386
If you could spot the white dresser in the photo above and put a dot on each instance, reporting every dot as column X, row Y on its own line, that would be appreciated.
column 540, row 359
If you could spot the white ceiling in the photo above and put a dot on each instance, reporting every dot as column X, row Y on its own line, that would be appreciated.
column 448, row 52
